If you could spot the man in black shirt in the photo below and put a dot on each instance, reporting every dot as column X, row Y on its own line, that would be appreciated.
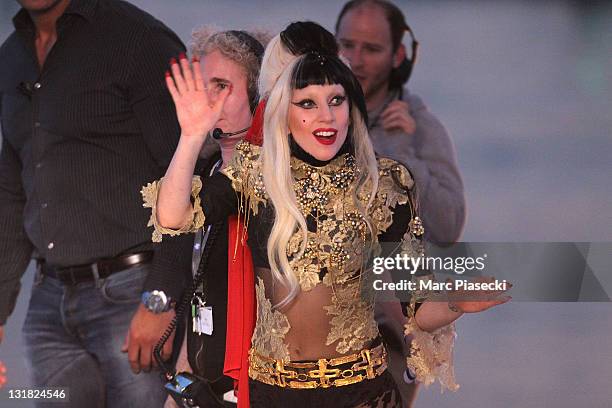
column 86, row 121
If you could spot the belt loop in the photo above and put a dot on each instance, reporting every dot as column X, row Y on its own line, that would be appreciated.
column 96, row 275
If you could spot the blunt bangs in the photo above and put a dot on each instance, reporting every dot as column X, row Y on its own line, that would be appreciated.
column 318, row 69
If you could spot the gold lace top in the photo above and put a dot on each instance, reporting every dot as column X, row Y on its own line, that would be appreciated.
column 333, row 314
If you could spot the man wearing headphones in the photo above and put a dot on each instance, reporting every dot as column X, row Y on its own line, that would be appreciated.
column 370, row 33
column 229, row 59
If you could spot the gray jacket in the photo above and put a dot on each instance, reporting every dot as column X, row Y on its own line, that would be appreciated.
column 430, row 156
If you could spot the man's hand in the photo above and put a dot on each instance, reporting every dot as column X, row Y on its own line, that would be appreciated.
column 144, row 333
column 396, row 116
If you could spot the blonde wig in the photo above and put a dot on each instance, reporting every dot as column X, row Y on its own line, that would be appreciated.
column 281, row 73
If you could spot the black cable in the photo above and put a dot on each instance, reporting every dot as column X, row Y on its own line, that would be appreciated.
column 186, row 299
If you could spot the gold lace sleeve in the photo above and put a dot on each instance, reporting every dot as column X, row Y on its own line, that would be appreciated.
column 431, row 354
column 193, row 222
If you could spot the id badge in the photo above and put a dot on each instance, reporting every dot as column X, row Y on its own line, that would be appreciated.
column 205, row 320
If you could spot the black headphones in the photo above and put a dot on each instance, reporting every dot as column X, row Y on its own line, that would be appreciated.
column 409, row 62
column 257, row 49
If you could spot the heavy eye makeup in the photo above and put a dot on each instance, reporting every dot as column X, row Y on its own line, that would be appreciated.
column 336, row 100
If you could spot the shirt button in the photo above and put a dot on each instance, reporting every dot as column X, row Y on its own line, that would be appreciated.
column 51, row 245
column 37, row 85
column 37, row 124
column 38, row 165
column 44, row 205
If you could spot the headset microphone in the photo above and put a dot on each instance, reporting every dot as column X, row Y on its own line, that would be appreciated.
column 218, row 133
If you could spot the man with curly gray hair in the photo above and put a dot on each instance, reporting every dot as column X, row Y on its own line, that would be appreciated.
column 236, row 47
column 228, row 60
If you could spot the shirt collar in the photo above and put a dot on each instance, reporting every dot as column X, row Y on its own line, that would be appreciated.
column 83, row 8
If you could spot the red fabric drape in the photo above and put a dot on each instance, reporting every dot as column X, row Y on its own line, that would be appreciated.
column 255, row 132
column 241, row 312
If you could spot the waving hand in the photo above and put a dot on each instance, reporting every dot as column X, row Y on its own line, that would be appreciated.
column 197, row 109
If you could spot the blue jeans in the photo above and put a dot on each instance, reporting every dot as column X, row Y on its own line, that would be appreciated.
column 73, row 337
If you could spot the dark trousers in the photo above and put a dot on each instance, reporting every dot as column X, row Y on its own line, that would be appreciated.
column 73, row 336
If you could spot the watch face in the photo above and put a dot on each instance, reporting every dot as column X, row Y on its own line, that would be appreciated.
column 157, row 302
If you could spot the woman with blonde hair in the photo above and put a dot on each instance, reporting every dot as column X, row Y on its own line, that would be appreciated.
column 317, row 204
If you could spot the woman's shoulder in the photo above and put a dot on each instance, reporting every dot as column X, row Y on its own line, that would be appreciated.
column 246, row 152
column 244, row 172
column 392, row 173
column 245, row 159
column 395, row 191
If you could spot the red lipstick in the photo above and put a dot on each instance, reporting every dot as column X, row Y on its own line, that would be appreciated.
column 325, row 136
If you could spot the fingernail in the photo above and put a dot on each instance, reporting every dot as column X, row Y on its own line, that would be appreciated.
column 172, row 61
column 182, row 56
column 195, row 59
column 167, row 74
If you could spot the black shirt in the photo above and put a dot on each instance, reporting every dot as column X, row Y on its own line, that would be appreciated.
column 81, row 136
column 206, row 353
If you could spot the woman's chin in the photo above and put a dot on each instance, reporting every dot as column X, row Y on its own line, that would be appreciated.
column 325, row 155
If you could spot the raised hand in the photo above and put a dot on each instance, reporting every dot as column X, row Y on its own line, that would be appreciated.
column 397, row 116
column 474, row 301
column 197, row 109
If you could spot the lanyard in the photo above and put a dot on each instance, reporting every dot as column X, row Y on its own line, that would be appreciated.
column 201, row 236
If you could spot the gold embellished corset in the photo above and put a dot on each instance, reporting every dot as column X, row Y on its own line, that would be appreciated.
column 332, row 315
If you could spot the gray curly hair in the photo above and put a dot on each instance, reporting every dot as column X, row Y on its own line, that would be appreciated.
column 237, row 48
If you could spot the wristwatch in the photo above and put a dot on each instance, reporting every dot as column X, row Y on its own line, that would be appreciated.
column 156, row 301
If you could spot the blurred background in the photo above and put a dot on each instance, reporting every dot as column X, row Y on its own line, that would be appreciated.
column 525, row 90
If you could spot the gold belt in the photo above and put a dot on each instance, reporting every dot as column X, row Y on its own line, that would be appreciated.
column 324, row 373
